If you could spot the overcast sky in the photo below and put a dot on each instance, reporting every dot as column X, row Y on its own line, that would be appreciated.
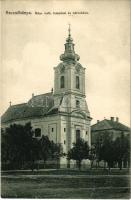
column 31, row 46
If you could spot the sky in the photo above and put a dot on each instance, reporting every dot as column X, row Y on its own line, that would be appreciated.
column 32, row 44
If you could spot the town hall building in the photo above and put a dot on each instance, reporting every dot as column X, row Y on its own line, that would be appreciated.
column 62, row 114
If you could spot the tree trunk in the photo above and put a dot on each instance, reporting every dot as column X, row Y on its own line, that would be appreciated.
column 68, row 163
column 109, row 167
column 125, row 163
column 104, row 164
column 57, row 163
column 92, row 161
column 98, row 163
column 32, row 166
column 37, row 166
column 44, row 164
column 79, row 165
column 120, row 164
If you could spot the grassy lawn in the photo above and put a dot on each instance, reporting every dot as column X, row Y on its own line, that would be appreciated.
column 57, row 184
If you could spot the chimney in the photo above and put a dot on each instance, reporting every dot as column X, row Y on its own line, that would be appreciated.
column 117, row 119
column 112, row 119
column 33, row 95
column 98, row 121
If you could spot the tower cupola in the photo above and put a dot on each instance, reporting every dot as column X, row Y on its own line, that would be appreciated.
column 69, row 54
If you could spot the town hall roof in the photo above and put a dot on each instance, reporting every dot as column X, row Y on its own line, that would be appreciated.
column 37, row 106
column 107, row 124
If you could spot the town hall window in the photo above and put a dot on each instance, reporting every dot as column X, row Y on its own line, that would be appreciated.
column 37, row 132
column 77, row 82
column 62, row 82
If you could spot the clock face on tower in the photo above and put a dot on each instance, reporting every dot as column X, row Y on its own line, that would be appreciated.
column 62, row 69
column 78, row 67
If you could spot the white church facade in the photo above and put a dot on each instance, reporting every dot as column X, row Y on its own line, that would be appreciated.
column 62, row 114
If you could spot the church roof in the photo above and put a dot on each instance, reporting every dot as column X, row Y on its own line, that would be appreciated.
column 37, row 106
column 44, row 100
column 108, row 125
column 20, row 111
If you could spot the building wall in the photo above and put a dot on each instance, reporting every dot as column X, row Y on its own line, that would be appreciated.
column 103, row 133
column 70, row 74
column 57, row 128
column 46, row 124
column 69, row 125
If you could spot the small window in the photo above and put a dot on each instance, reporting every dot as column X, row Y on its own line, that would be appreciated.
column 101, row 139
column 70, row 47
column 77, row 82
column 64, row 142
column 52, row 129
column 37, row 132
column 62, row 82
column 77, row 103
column 64, row 129
column 77, row 135
column 86, row 132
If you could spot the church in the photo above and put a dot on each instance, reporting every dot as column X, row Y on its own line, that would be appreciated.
column 62, row 114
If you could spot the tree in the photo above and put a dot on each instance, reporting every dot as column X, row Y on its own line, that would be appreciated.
column 115, row 151
column 34, row 153
column 79, row 152
column 49, row 150
column 107, row 152
column 16, row 140
column 4, row 147
column 45, row 148
column 20, row 148
column 92, row 154
column 122, row 150
column 56, row 151
column 98, row 145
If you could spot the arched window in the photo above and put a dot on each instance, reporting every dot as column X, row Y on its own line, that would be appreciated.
column 77, row 82
column 62, row 82
column 37, row 132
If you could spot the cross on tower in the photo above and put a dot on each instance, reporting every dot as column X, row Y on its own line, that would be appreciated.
column 69, row 29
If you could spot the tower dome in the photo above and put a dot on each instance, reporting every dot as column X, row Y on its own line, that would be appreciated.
column 69, row 54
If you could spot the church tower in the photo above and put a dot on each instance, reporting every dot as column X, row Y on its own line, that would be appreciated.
column 69, row 96
column 70, row 76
